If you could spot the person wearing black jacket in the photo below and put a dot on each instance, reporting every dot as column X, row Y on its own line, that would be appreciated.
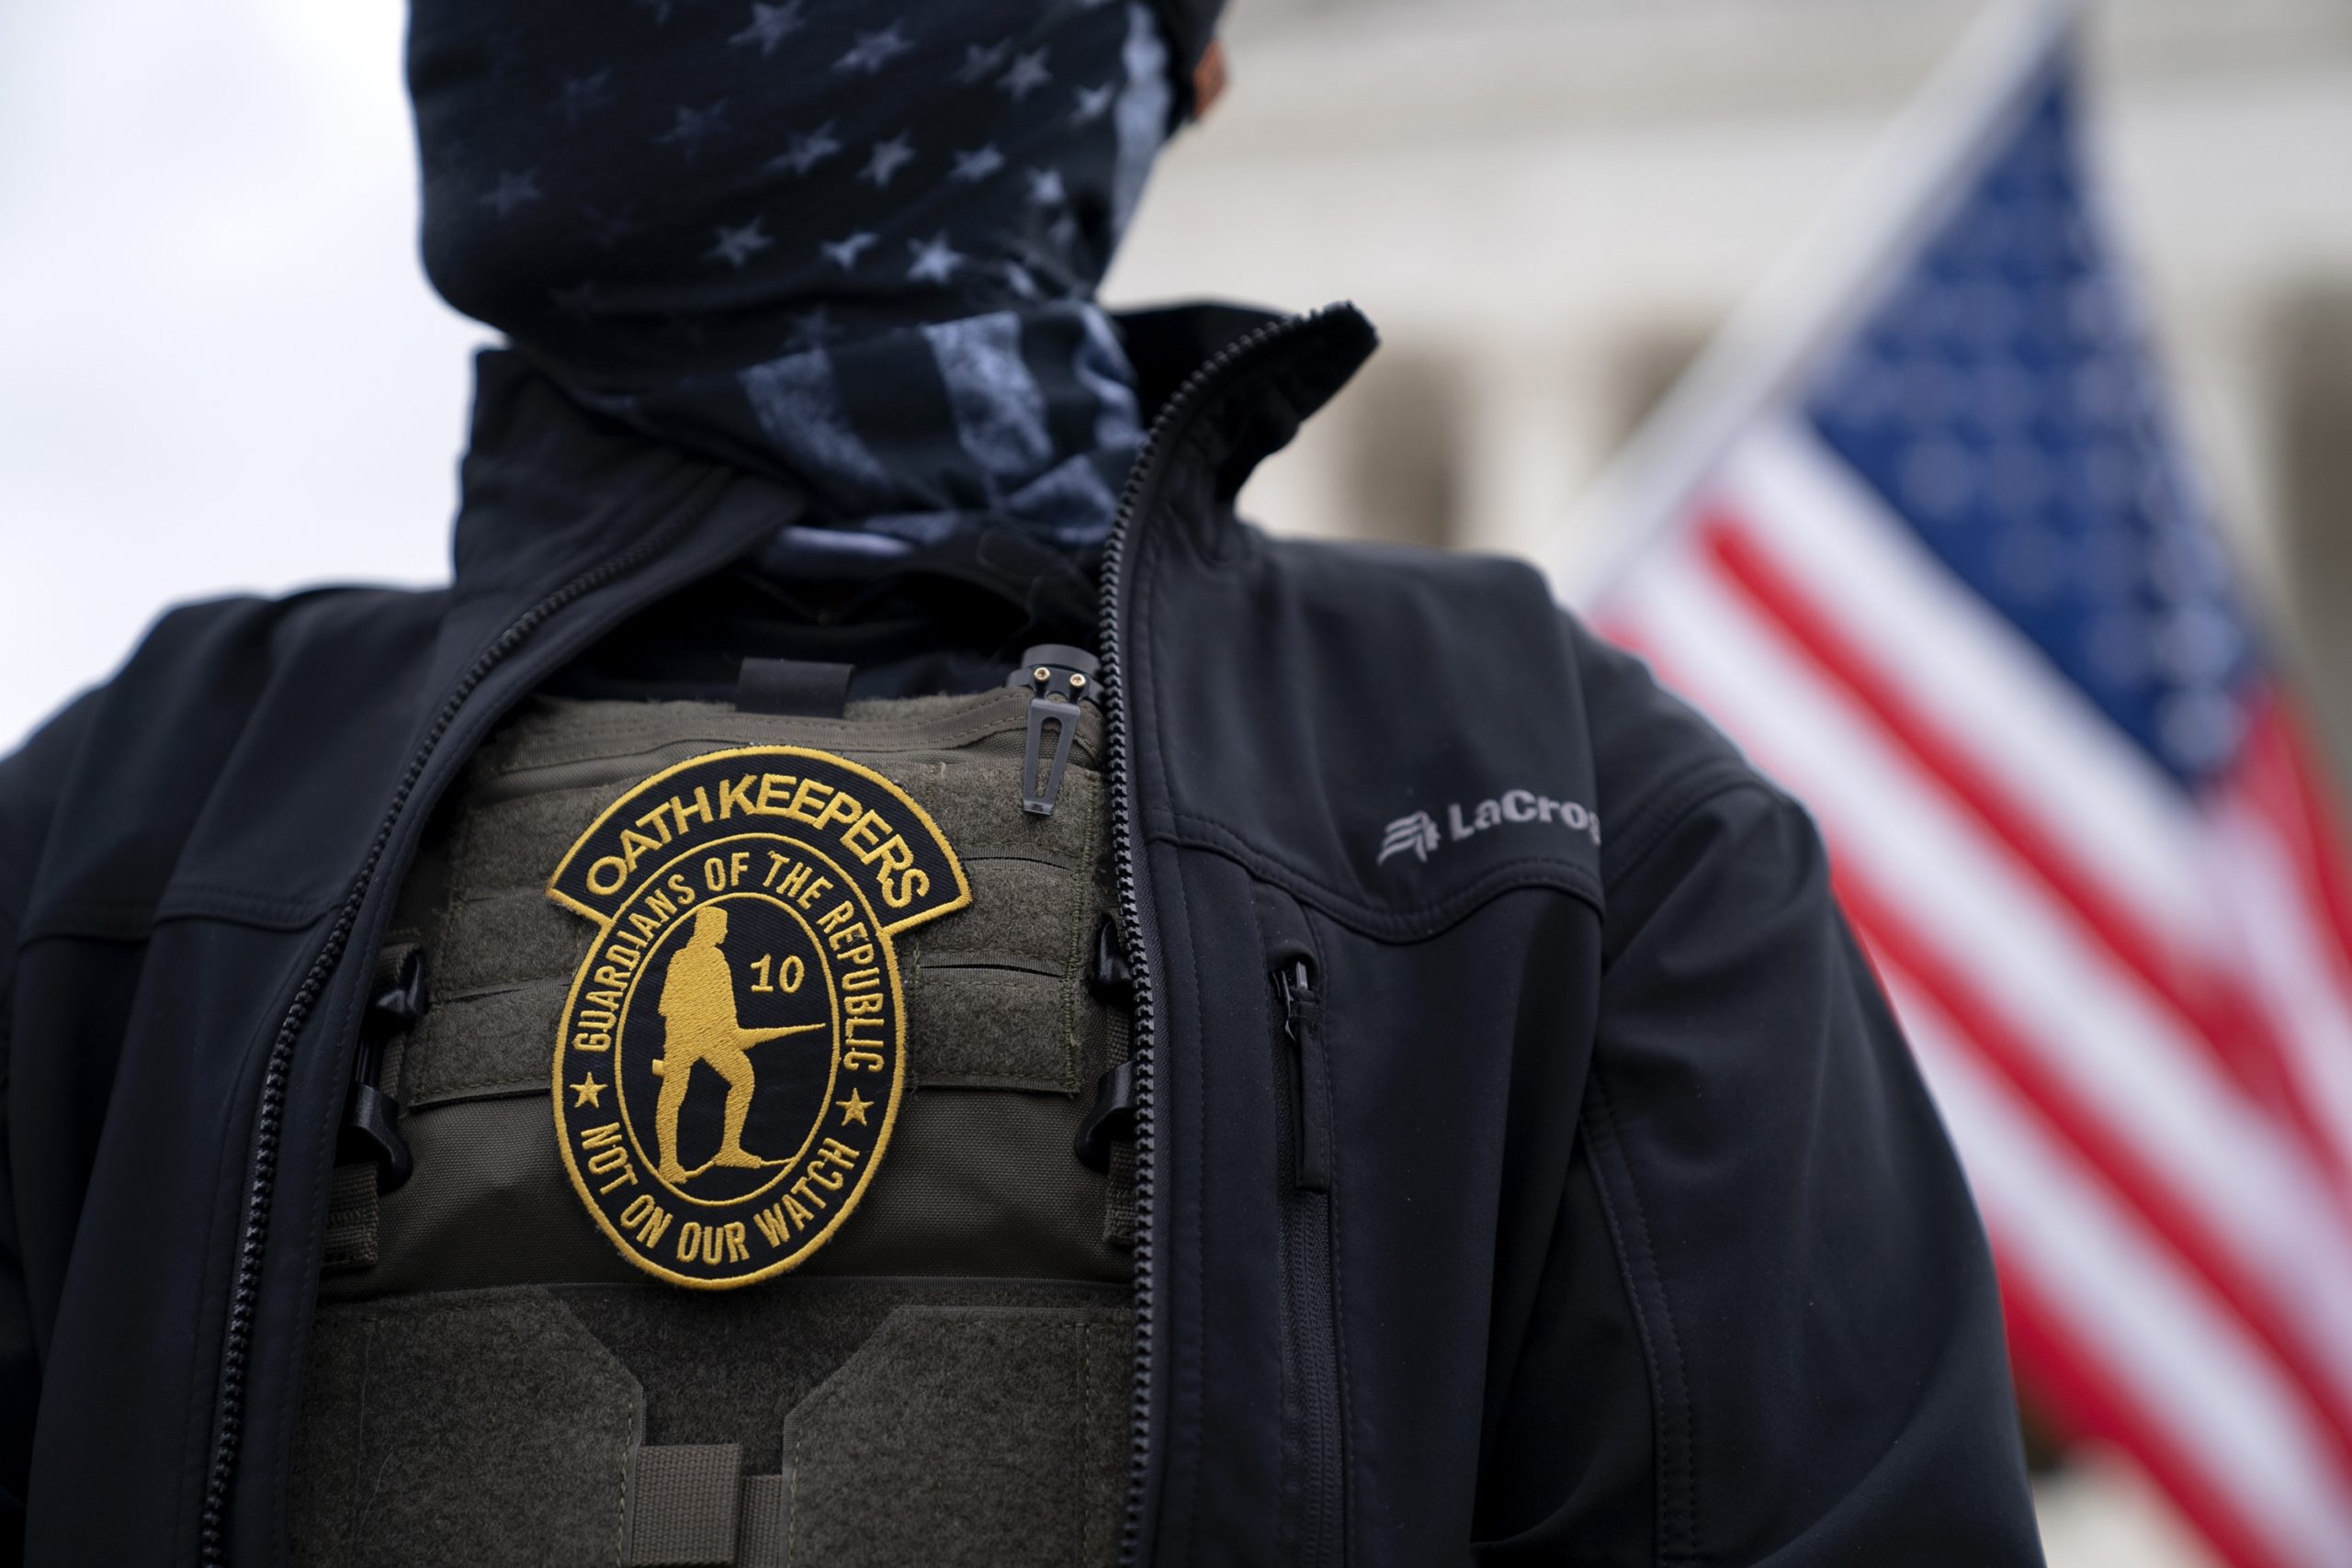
column 1196, row 1047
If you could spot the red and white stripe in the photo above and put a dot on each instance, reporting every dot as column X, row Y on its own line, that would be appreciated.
column 2135, row 1011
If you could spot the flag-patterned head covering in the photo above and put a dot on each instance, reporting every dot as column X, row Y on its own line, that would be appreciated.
column 855, row 242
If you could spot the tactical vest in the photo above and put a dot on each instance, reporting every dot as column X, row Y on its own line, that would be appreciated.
column 507, row 1368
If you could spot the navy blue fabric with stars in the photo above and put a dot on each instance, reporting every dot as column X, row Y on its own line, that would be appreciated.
column 2003, row 397
column 854, row 243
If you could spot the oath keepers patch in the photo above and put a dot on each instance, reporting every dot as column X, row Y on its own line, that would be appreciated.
column 732, row 1055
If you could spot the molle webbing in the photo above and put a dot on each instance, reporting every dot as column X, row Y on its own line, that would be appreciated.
column 946, row 1381
column 979, row 1015
column 1004, row 1039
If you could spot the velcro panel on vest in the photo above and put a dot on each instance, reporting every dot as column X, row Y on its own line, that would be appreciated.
column 992, row 993
column 730, row 1366
column 643, row 1424
column 487, row 1427
column 966, row 1435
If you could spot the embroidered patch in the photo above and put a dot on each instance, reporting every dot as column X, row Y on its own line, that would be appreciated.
column 731, row 1059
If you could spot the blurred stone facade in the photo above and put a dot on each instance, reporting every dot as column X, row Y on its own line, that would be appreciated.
column 1547, row 205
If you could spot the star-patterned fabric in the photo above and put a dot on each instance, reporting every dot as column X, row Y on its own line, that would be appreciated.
column 854, row 243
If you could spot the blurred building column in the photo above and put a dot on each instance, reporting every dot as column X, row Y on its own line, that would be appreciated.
column 2312, row 450
column 1537, row 413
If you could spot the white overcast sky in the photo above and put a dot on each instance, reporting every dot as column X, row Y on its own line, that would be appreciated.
column 220, row 365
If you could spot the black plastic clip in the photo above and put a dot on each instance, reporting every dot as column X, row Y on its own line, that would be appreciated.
column 1058, row 676
column 1110, row 978
column 1112, row 1117
column 370, row 1117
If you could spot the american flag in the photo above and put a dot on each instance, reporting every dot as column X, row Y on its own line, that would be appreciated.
column 1934, row 557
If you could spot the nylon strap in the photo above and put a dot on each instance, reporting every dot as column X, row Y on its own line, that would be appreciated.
column 691, row 1506
column 351, row 1219
column 796, row 686
column 1119, row 1194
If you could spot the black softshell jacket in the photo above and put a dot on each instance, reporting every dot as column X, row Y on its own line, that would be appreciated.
column 1560, row 1190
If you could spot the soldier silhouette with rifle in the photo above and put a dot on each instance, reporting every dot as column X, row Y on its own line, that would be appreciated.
column 700, row 1025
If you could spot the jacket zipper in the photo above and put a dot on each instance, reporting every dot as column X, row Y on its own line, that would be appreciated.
column 1135, row 925
column 1312, row 1526
column 1309, row 1074
column 269, row 1116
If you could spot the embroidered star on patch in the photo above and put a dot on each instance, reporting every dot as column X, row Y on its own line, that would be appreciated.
column 742, row 994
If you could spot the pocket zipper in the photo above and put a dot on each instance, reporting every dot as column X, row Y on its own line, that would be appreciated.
column 1310, row 1074
column 1312, row 1528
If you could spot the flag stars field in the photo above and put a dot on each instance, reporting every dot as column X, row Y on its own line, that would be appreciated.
column 1951, row 583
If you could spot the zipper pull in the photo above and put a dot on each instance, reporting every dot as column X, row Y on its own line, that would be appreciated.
column 1290, row 963
column 1058, row 676
column 370, row 1117
column 1302, row 1026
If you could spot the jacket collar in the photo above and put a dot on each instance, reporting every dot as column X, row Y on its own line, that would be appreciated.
column 548, row 485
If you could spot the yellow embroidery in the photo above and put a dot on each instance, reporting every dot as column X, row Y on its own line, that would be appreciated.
column 747, row 902
column 698, row 1005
